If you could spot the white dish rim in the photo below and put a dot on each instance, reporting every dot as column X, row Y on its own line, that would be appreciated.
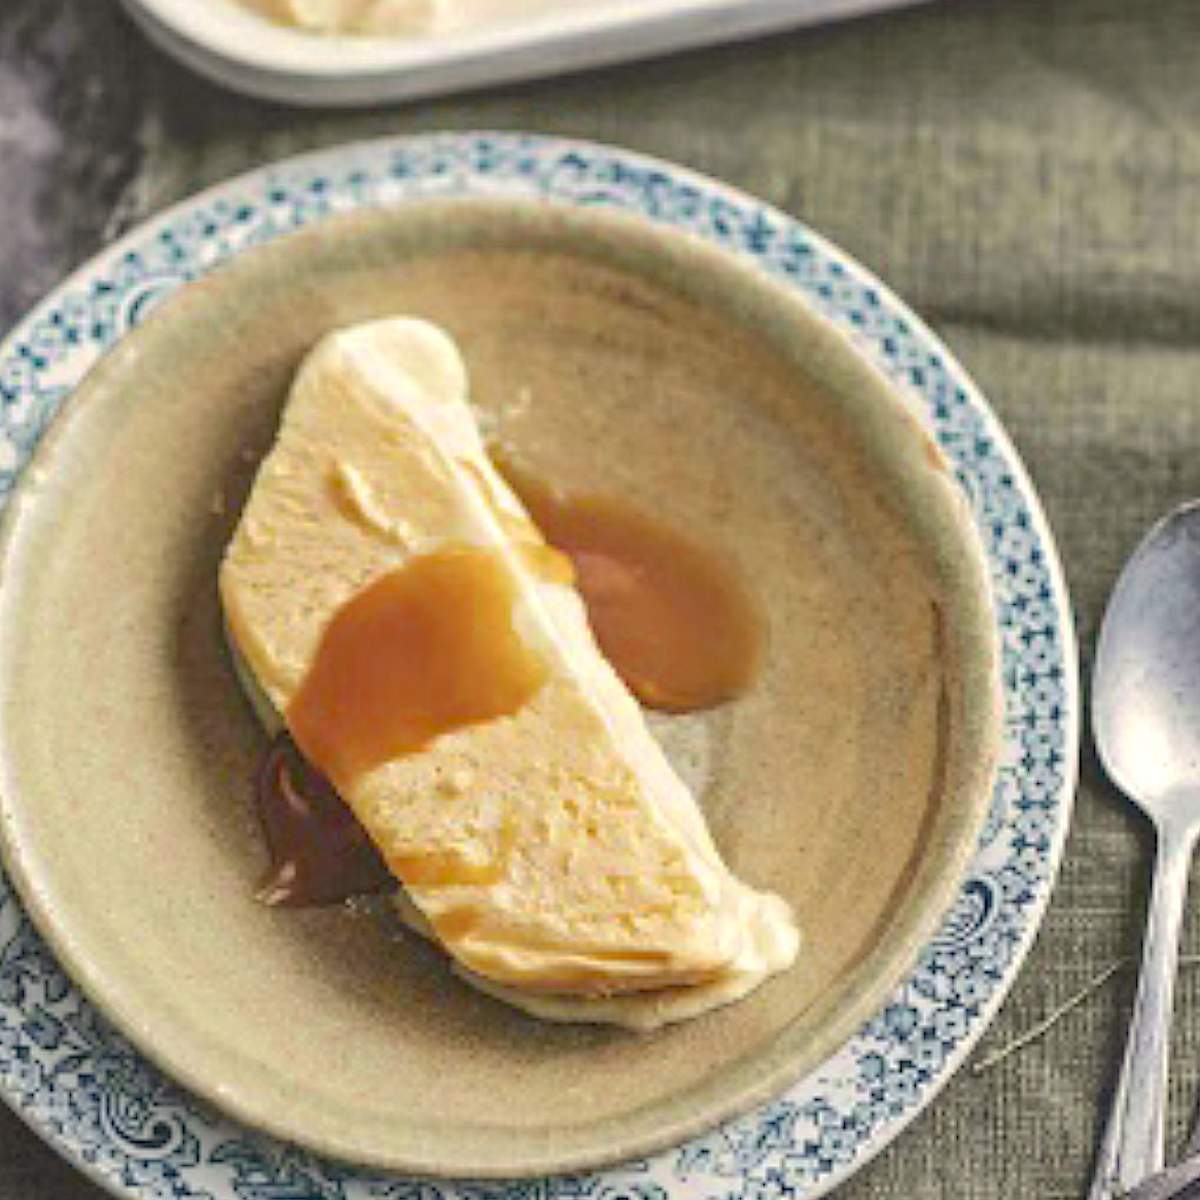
column 247, row 52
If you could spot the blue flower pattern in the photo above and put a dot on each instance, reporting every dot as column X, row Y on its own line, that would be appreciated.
column 77, row 1080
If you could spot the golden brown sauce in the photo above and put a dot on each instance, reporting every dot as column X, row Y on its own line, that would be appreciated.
column 548, row 564
column 672, row 616
column 425, row 649
column 320, row 854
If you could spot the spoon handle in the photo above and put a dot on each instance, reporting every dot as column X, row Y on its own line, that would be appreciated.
column 1133, row 1140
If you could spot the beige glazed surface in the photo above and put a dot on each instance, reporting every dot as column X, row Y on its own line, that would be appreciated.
column 851, row 779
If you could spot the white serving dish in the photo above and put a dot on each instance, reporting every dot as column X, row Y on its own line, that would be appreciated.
column 245, row 52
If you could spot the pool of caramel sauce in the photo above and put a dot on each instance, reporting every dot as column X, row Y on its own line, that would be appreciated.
column 672, row 615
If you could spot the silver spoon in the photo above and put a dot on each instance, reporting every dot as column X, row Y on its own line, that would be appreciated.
column 1146, row 722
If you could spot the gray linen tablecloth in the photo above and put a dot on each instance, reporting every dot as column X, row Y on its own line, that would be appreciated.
column 1025, row 172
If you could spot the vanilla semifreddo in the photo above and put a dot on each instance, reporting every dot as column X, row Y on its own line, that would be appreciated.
column 397, row 18
column 387, row 596
column 384, row 17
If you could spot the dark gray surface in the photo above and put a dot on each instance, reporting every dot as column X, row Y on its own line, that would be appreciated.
column 1024, row 172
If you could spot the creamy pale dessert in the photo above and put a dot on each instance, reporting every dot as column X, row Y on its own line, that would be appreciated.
column 395, row 18
column 389, row 597
column 386, row 17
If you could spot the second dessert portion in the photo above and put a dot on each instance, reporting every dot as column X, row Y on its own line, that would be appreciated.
column 389, row 596
column 397, row 18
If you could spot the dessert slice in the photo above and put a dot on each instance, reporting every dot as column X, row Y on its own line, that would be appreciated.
column 388, row 595
column 387, row 17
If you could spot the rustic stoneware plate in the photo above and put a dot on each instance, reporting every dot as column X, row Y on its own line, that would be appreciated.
column 616, row 353
column 853, row 778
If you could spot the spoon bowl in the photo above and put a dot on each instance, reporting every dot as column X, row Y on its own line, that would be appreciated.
column 1146, row 684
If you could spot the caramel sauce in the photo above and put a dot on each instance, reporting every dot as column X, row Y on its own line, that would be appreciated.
column 672, row 616
column 423, row 650
column 456, row 924
column 320, row 854
column 548, row 564
column 445, row 869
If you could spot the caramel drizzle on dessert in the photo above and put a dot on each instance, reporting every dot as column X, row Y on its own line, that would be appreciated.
column 423, row 650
